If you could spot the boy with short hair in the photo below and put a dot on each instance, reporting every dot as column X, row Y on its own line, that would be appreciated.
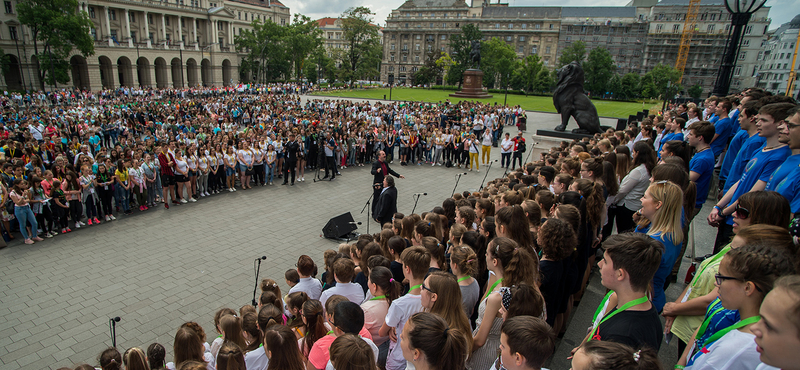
column 743, row 145
column 701, row 166
column 343, row 316
column 629, row 263
column 343, row 272
column 526, row 342
column 416, row 261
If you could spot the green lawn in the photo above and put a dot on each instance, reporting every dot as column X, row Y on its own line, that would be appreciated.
column 605, row 108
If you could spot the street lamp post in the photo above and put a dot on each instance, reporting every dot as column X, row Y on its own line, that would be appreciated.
column 741, row 11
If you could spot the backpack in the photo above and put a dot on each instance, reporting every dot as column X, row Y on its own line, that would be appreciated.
column 521, row 147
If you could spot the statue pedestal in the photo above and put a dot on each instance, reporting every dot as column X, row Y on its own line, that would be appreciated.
column 472, row 88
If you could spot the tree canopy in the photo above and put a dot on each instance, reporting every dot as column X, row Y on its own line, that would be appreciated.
column 57, row 28
column 598, row 69
column 573, row 53
column 363, row 52
column 460, row 46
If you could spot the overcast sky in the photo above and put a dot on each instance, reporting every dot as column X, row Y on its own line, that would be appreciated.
column 782, row 10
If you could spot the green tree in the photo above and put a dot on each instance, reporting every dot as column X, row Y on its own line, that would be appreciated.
column 630, row 86
column 614, row 86
column 304, row 36
column 598, row 68
column 445, row 62
column 526, row 75
column 430, row 72
column 696, row 91
column 573, row 53
column 654, row 83
column 460, row 46
column 497, row 62
column 267, row 56
column 363, row 50
column 57, row 27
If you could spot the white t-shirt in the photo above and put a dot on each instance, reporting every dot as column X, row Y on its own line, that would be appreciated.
column 399, row 312
column 311, row 286
column 764, row 366
column 256, row 360
column 734, row 351
column 506, row 143
column 352, row 291
column 247, row 156
column 372, row 345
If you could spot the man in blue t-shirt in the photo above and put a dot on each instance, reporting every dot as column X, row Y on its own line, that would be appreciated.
column 789, row 185
column 722, row 127
column 736, row 159
column 757, row 172
column 701, row 167
column 780, row 174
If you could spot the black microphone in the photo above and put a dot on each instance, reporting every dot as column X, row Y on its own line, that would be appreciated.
column 420, row 194
column 261, row 258
column 355, row 223
column 465, row 173
column 116, row 319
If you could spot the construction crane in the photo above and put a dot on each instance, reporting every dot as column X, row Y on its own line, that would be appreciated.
column 792, row 73
column 689, row 25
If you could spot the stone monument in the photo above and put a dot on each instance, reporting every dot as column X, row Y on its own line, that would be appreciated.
column 571, row 101
column 472, row 86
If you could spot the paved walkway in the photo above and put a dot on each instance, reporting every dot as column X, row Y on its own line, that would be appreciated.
column 160, row 268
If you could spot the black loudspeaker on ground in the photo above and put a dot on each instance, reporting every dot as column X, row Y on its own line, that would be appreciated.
column 340, row 227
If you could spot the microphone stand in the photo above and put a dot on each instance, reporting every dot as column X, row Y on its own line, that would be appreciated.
column 112, row 324
column 415, row 203
column 486, row 174
column 457, row 180
column 258, row 269
column 368, row 209
column 529, row 153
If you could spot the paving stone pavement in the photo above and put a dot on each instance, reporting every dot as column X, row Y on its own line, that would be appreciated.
column 160, row 268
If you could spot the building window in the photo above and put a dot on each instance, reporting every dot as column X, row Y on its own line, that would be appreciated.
column 112, row 14
column 166, row 22
column 534, row 49
column 551, row 26
column 416, row 47
column 431, row 25
column 114, row 35
column 402, row 69
column 9, row 8
column 430, row 47
column 221, row 41
column 391, row 47
column 444, row 25
column 522, row 38
column 547, row 50
column 93, row 31
column 391, row 68
column 405, row 47
column 521, row 49
column 405, row 58
column 524, row 26
column 91, row 12
column 150, row 35
column 569, row 38
column 132, row 16
column 742, row 55
column 537, row 26
column 509, row 38
column 419, row 37
column 133, row 36
column 391, row 58
column 710, row 28
column 676, row 28
column 497, row 26
column 240, row 15
column 13, row 32
column 444, row 37
column 746, row 42
column 737, row 71
column 150, row 18
column 510, row 26
column 659, row 28
column 748, row 30
column 416, row 58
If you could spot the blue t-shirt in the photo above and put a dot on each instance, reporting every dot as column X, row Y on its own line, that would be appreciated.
column 721, row 318
column 714, row 118
column 761, row 167
column 789, row 187
column 733, row 150
column 783, row 170
column 703, row 163
column 678, row 136
column 723, row 129
column 668, row 257
column 664, row 139
column 749, row 148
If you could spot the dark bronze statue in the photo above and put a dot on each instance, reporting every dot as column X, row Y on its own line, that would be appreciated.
column 571, row 101
column 475, row 54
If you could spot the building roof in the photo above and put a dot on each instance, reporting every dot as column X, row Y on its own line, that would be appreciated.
column 434, row 4
column 506, row 12
column 264, row 3
column 327, row 21
column 686, row 2
column 598, row 11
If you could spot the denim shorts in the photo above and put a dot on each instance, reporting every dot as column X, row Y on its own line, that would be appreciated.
column 242, row 167
column 229, row 171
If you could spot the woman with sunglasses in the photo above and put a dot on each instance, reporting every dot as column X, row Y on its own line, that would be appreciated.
column 757, row 211
column 725, row 340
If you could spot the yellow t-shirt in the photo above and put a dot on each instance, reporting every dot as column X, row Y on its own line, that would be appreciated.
column 122, row 176
column 704, row 283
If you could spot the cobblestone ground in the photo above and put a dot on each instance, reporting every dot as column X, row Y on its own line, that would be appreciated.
column 160, row 268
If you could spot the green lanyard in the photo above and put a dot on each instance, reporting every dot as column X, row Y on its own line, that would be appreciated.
column 463, row 278
column 624, row 307
column 415, row 287
column 707, row 321
column 737, row 325
column 330, row 332
column 713, row 259
column 378, row 297
column 602, row 304
column 492, row 288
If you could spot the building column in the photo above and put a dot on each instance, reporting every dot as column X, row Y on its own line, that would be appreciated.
column 230, row 34
column 180, row 33
column 164, row 31
column 194, row 34
column 128, row 28
column 107, row 31
column 147, row 30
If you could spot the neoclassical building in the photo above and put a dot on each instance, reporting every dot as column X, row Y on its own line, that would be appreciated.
column 148, row 43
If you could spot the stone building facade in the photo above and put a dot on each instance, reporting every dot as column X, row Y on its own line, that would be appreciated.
column 148, row 43
column 776, row 59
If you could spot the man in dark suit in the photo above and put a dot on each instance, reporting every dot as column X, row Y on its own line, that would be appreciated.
column 387, row 201
column 380, row 169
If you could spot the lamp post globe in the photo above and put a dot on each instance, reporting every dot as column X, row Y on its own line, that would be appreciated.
column 741, row 11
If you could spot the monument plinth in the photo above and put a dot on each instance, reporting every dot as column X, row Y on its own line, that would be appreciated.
column 472, row 88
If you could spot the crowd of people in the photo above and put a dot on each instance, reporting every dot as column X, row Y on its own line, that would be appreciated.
column 487, row 280
column 74, row 158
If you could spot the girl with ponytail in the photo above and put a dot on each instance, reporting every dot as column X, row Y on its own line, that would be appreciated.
column 464, row 265
column 383, row 289
column 602, row 355
column 314, row 319
column 440, row 295
column 429, row 344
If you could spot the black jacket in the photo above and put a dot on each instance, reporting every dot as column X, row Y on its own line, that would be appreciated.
column 387, row 205
column 378, row 176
